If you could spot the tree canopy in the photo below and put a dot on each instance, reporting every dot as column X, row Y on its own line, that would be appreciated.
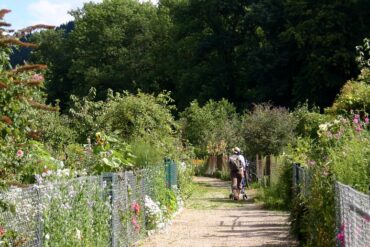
column 285, row 52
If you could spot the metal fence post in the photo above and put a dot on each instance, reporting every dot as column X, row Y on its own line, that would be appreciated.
column 39, row 218
column 107, row 178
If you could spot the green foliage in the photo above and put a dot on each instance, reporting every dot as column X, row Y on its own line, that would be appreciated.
column 223, row 175
column 87, row 115
column 145, row 118
column 21, row 101
column 198, row 50
column 350, row 160
column 267, row 130
column 212, row 129
column 146, row 154
column 55, row 130
column 354, row 96
column 68, row 221
column 185, row 180
column 308, row 120
column 119, row 35
column 113, row 154
column 338, row 152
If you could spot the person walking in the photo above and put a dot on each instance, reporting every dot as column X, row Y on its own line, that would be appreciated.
column 245, row 164
column 236, row 164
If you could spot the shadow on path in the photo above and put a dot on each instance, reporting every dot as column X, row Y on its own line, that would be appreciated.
column 212, row 220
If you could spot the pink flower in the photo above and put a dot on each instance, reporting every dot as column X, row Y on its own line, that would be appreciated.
column 355, row 120
column 340, row 236
column 37, row 77
column 136, row 225
column 2, row 231
column 20, row 153
column 135, row 207
column 358, row 129
column 134, row 222
column 357, row 116
column 366, row 120
column 367, row 218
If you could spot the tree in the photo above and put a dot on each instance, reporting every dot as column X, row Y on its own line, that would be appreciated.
column 267, row 130
column 114, row 45
column 210, row 128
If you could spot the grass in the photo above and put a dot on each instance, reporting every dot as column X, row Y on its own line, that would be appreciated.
column 208, row 196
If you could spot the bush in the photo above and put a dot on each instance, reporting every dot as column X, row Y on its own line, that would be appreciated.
column 212, row 128
column 339, row 153
column 267, row 130
column 308, row 121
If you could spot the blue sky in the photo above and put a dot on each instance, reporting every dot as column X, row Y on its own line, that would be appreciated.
column 29, row 12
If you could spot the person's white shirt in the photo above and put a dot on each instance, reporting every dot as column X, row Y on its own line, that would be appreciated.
column 242, row 159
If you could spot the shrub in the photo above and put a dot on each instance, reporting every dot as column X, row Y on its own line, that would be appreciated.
column 354, row 96
column 211, row 128
column 20, row 97
column 144, row 117
column 308, row 121
column 267, row 130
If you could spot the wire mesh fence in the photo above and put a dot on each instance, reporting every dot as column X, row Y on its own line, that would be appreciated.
column 352, row 210
column 301, row 180
column 353, row 216
column 106, row 210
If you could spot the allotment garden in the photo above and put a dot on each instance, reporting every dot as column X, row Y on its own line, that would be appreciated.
column 108, row 171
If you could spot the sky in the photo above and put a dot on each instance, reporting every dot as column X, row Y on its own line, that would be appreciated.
column 52, row 12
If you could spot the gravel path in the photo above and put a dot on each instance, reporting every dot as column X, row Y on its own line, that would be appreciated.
column 210, row 219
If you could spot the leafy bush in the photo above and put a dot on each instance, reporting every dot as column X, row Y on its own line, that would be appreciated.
column 20, row 97
column 354, row 96
column 185, row 180
column 267, row 130
column 340, row 153
column 308, row 120
column 87, row 115
column 209, row 126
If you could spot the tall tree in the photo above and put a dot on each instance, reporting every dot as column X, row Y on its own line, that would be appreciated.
column 114, row 44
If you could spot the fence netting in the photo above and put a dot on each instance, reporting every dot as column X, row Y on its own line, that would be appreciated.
column 353, row 216
column 352, row 210
column 106, row 210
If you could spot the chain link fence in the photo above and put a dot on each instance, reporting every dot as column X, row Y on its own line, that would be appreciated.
column 352, row 210
column 106, row 210
column 353, row 216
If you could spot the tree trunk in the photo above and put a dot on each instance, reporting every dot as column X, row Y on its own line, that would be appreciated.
column 222, row 162
column 212, row 164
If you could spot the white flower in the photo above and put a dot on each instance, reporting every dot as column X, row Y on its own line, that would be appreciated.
column 78, row 234
column 47, row 236
column 324, row 127
column 66, row 172
column 61, row 164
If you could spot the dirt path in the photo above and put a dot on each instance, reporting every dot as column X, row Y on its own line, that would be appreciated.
column 210, row 219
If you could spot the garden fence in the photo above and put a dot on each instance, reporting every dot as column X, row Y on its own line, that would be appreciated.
column 100, row 210
column 352, row 210
column 353, row 216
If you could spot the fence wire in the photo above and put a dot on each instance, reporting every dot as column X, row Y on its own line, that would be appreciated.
column 353, row 217
column 301, row 180
column 113, row 201
column 352, row 210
